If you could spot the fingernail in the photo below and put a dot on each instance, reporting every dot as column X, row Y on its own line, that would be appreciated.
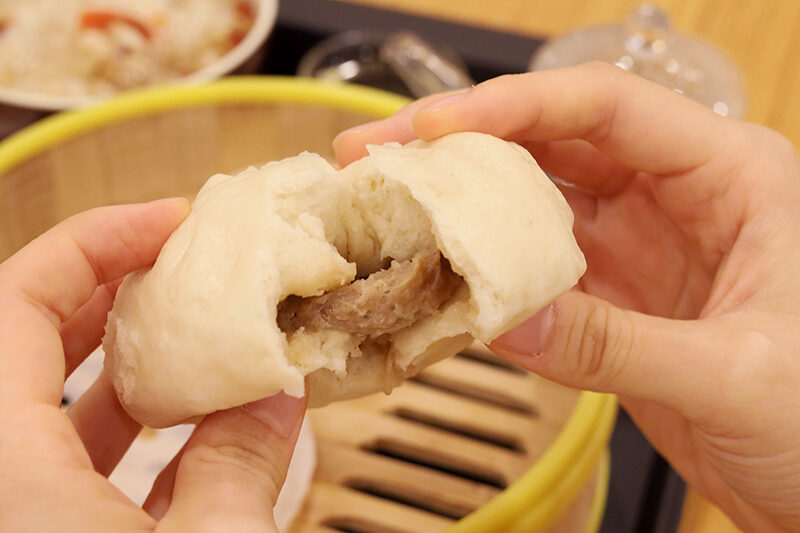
column 441, row 103
column 529, row 337
column 359, row 128
column 283, row 413
column 172, row 200
column 177, row 201
column 352, row 131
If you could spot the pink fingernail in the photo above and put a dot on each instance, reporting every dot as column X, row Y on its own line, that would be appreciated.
column 281, row 412
column 529, row 337
column 175, row 200
column 440, row 104
column 359, row 128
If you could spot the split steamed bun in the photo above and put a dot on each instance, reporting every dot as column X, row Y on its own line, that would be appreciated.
column 452, row 240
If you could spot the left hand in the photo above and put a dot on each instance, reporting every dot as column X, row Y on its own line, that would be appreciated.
column 54, row 297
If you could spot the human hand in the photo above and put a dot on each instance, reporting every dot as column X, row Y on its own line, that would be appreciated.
column 690, row 307
column 54, row 297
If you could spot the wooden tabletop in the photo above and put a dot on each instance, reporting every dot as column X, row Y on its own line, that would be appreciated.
column 762, row 38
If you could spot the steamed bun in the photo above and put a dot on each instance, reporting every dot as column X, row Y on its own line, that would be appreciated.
column 199, row 332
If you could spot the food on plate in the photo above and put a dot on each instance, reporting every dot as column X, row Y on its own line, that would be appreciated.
column 99, row 47
column 354, row 280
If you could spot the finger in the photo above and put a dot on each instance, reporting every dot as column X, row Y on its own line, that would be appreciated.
column 233, row 467
column 575, row 161
column 82, row 333
column 60, row 270
column 585, row 342
column 581, row 164
column 106, row 430
column 160, row 497
column 636, row 122
column 46, row 282
column 350, row 145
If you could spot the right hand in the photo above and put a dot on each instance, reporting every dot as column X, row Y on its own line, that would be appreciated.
column 690, row 308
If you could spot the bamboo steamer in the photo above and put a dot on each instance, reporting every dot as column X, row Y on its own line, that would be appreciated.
column 472, row 444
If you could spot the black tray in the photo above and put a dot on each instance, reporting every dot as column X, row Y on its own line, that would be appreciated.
column 303, row 23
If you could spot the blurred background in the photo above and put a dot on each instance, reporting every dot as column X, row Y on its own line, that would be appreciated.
column 762, row 40
column 738, row 57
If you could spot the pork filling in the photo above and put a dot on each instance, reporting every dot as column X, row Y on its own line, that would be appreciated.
column 383, row 303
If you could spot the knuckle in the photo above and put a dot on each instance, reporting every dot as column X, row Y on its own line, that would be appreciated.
column 606, row 112
column 601, row 342
column 783, row 147
column 605, row 100
column 241, row 459
column 751, row 365
column 768, row 140
column 747, row 382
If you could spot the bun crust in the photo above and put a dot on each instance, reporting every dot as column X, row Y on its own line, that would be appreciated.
column 198, row 332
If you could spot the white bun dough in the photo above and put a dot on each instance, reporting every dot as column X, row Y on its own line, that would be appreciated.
column 197, row 332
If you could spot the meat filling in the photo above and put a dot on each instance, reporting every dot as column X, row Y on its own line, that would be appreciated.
column 385, row 302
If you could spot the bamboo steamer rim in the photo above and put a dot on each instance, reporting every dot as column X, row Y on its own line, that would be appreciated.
column 531, row 503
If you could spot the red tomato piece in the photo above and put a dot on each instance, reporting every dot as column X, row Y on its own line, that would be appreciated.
column 245, row 10
column 101, row 20
column 236, row 37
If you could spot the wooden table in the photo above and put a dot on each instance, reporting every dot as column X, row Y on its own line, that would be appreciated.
column 762, row 38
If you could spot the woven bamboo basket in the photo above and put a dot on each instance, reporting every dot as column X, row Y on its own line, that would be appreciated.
column 472, row 444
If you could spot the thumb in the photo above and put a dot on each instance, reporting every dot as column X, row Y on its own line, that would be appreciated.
column 584, row 342
column 233, row 467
